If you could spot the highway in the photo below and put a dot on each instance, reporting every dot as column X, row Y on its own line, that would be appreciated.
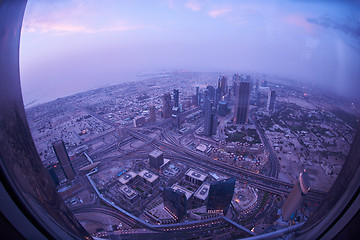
column 191, row 227
column 274, row 164
column 257, row 180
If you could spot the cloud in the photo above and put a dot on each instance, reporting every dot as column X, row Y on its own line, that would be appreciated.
column 299, row 20
column 219, row 12
column 63, row 28
column 71, row 17
column 349, row 25
column 193, row 5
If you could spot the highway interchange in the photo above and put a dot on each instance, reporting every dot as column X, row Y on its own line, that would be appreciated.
column 174, row 150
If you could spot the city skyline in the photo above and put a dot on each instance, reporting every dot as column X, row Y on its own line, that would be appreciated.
column 178, row 154
column 170, row 174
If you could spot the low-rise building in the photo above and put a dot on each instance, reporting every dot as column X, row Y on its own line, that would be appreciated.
column 127, row 178
column 150, row 178
column 129, row 194
column 200, row 196
column 195, row 177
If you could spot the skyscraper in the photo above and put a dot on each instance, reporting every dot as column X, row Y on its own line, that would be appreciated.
column 220, row 196
column 257, row 86
column 175, row 202
column 301, row 188
column 152, row 113
column 176, row 117
column 210, row 116
column 223, row 108
column 167, row 106
column 63, row 158
column 156, row 159
column 197, row 96
column 211, row 93
column 271, row 101
column 223, row 85
column 235, row 79
column 176, row 98
column 242, row 101
column 218, row 96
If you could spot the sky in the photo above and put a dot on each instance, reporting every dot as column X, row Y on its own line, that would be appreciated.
column 74, row 45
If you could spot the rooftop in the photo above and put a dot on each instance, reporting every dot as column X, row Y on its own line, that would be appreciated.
column 187, row 192
column 128, row 191
column 195, row 174
column 149, row 176
column 126, row 177
column 201, row 147
column 203, row 191
column 156, row 153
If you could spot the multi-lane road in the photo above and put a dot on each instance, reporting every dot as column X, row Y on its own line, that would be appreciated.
column 257, row 180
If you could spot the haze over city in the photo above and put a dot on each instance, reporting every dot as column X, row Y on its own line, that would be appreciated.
column 175, row 119
column 72, row 46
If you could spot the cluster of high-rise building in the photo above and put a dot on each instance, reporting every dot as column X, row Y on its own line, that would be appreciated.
column 216, row 196
column 215, row 102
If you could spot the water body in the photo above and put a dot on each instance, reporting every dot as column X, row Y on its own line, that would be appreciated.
column 47, row 91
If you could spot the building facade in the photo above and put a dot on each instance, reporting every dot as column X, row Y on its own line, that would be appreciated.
column 223, row 108
column 156, row 159
column 167, row 106
column 235, row 79
column 220, row 196
column 175, row 202
column 176, row 98
column 176, row 121
column 152, row 113
column 271, row 101
column 210, row 116
column 242, row 102
column 223, row 85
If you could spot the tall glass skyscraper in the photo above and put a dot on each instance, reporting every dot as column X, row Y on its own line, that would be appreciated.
column 167, row 106
column 175, row 203
column 242, row 101
column 222, row 83
column 210, row 115
column 220, row 196
column 176, row 98
column 271, row 101
column 152, row 113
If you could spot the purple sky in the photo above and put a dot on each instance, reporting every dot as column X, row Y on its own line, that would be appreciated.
column 74, row 45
